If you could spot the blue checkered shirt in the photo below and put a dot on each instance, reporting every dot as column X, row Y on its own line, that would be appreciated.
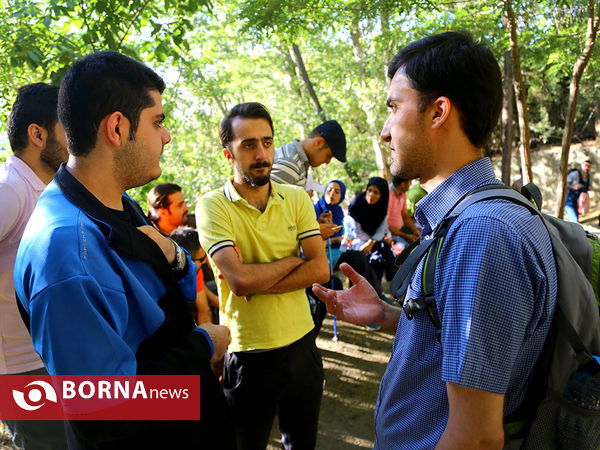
column 495, row 289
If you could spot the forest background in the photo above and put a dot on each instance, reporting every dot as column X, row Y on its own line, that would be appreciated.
column 311, row 60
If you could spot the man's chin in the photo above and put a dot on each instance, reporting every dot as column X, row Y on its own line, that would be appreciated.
column 151, row 177
column 156, row 174
column 256, row 181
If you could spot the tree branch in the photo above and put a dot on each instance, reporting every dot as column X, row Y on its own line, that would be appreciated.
column 87, row 25
column 307, row 82
column 137, row 14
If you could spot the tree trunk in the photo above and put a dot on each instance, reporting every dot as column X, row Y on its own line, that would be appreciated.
column 508, row 131
column 309, row 86
column 521, row 95
column 368, row 106
column 290, row 68
column 218, row 98
column 388, row 51
column 578, row 68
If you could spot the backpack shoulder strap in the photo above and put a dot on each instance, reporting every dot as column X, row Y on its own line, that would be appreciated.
column 427, row 300
column 491, row 192
column 409, row 264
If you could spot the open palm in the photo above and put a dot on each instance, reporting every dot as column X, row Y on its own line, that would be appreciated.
column 359, row 305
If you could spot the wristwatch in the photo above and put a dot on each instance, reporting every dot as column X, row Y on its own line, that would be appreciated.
column 179, row 261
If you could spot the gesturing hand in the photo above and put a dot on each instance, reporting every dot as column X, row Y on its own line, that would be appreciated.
column 359, row 305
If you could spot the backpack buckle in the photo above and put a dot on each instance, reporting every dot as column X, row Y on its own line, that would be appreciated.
column 412, row 305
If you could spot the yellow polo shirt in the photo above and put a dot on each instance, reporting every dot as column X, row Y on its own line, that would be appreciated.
column 224, row 217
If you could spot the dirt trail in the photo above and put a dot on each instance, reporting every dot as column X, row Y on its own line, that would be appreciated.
column 353, row 367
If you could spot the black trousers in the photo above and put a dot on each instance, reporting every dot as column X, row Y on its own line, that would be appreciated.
column 287, row 381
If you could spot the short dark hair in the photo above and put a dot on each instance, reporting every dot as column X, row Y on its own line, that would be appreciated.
column 158, row 198
column 187, row 238
column 450, row 64
column 250, row 110
column 97, row 85
column 35, row 103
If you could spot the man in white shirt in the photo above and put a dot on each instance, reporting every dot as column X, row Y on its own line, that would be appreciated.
column 39, row 147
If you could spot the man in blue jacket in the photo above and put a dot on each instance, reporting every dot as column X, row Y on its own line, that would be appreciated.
column 101, row 290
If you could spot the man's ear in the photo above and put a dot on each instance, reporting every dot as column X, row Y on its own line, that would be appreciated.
column 162, row 212
column 319, row 142
column 227, row 153
column 115, row 127
column 441, row 109
column 37, row 135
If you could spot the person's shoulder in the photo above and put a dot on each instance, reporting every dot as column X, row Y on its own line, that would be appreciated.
column 56, row 224
column 218, row 195
column 500, row 209
column 215, row 193
column 287, row 151
column 52, row 249
column 12, row 196
column 12, row 185
column 508, row 219
column 288, row 191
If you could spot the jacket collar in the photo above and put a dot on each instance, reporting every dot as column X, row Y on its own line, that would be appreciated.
column 122, row 237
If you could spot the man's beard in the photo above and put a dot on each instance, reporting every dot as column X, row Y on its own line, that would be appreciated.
column 131, row 168
column 53, row 154
column 253, row 181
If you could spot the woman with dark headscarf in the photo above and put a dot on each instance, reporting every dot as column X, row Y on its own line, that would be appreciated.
column 367, row 223
column 366, row 228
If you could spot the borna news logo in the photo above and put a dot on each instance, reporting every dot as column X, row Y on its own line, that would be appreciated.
column 99, row 397
column 35, row 399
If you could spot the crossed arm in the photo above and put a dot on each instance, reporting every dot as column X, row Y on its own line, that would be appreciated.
column 284, row 275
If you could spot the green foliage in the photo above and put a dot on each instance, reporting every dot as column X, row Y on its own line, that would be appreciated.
column 214, row 55
column 40, row 40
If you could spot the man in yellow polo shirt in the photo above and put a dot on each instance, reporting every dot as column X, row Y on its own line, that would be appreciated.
column 251, row 228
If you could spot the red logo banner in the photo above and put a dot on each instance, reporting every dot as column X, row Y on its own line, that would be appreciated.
column 100, row 397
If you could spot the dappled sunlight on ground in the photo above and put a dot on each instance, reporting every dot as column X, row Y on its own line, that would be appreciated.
column 353, row 368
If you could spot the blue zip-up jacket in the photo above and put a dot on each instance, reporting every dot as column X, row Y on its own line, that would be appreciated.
column 99, row 297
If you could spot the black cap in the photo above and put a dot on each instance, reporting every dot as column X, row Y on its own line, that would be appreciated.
column 333, row 134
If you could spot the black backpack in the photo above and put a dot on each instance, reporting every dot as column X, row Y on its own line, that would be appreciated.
column 561, row 408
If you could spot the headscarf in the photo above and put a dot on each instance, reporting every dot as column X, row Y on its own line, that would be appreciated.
column 368, row 216
column 337, row 213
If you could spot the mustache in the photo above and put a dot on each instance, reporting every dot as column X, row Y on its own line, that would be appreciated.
column 260, row 164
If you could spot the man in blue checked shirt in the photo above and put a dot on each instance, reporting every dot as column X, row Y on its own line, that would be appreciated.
column 495, row 281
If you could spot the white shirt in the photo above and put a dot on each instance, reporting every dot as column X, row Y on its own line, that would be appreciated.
column 20, row 189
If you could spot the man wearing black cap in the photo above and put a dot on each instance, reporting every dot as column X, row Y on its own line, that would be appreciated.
column 291, row 161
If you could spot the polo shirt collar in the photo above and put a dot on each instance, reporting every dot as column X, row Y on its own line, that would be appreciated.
column 26, row 172
column 432, row 208
column 275, row 197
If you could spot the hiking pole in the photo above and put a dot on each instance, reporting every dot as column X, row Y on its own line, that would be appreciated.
column 335, row 335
